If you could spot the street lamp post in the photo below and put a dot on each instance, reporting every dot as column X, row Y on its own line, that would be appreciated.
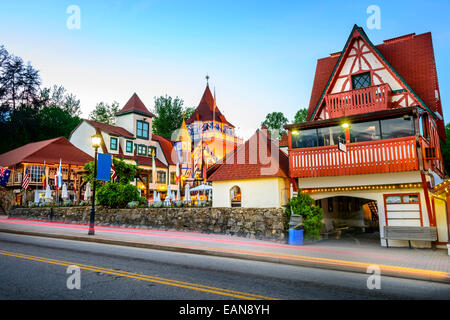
column 95, row 140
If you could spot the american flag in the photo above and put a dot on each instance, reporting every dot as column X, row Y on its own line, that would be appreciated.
column 113, row 174
column 26, row 180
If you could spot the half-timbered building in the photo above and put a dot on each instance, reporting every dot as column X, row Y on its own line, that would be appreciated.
column 369, row 152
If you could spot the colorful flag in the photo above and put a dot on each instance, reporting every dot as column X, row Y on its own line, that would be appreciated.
column 4, row 176
column 60, row 176
column 44, row 181
column 26, row 180
column 153, row 168
column 178, row 172
column 113, row 172
column 56, row 182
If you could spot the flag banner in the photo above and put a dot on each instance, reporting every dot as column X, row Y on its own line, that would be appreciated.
column 26, row 180
column 60, row 176
column 104, row 167
column 4, row 176
column 113, row 173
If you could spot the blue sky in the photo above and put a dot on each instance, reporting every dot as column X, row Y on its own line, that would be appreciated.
column 260, row 55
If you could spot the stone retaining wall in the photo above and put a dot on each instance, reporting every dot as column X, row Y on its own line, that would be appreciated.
column 259, row 223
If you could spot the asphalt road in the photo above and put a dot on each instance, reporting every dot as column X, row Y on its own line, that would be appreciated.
column 36, row 268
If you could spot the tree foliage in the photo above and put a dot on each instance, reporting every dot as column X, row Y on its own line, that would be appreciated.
column 27, row 112
column 300, row 115
column 274, row 122
column 169, row 115
column 303, row 205
column 105, row 112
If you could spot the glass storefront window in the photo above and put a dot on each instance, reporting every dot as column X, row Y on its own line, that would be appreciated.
column 397, row 127
column 365, row 131
column 414, row 198
column 394, row 199
column 330, row 136
column 304, row 139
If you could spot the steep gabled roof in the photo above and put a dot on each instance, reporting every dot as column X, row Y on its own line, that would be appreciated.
column 246, row 163
column 110, row 129
column 207, row 110
column 50, row 151
column 135, row 105
column 166, row 146
column 410, row 57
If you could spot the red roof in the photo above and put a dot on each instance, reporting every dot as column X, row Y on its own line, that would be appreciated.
column 205, row 110
column 166, row 146
column 135, row 105
column 234, row 167
column 411, row 56
column 50, row 151
column 110, row 129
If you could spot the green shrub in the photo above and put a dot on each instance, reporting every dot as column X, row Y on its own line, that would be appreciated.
column 117, row 195
column 312, row 215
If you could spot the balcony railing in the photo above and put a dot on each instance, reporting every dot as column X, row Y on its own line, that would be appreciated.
column 370, row 99
column 382, row 156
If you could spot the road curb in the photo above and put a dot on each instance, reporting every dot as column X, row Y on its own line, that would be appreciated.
column 323, row 263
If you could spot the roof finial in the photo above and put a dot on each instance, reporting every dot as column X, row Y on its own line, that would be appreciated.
column 207, row 79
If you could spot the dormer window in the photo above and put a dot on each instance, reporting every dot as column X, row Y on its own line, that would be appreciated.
column 129, row 146
column 361, row 80
column 142, row 128
column 142, row 150
column 113, row 143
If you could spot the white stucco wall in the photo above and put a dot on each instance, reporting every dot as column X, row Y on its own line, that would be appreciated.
column 255, row 193
column 81, row 138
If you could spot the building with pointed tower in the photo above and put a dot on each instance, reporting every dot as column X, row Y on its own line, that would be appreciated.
column 370, row 151
column 212, row 136
column 131, row 139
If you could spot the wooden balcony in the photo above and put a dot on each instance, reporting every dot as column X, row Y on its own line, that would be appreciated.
column 370, row 99
column 382, row 156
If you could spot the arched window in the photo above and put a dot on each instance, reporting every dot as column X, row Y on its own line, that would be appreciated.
column 235, row 196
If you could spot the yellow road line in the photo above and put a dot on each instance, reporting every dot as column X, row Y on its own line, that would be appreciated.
column 187, row 285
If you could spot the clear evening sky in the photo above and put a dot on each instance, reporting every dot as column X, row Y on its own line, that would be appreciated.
column 260, row 55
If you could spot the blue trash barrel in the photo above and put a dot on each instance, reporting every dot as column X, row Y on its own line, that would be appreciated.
column 296, row 237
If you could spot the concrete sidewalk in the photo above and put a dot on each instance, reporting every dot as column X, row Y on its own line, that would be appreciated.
column 422, row 264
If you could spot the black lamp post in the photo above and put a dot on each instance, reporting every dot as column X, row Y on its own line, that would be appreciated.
column 95, row 140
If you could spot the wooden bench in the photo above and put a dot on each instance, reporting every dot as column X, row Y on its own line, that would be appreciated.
column 410, row 233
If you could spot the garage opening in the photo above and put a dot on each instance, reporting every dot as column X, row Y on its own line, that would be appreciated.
column 349, row 216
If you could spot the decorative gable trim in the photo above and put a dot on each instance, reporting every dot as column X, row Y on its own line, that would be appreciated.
column 345, row 53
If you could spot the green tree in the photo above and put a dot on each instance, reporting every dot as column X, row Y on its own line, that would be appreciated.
column 188, row 112
column 56, row 122
column 169, row 115
column 58, row 96
column 274, row 122
column 104, row 112
column 446, row 150
column 27, row 112
column 300, row 115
